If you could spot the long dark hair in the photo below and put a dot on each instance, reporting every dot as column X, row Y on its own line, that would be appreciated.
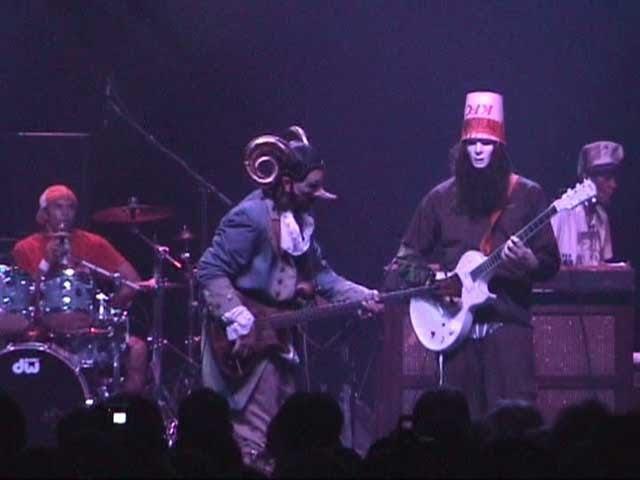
column 276, row 192
column 480, row 191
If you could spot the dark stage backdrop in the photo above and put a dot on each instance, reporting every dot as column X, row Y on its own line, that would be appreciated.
column 378, row 85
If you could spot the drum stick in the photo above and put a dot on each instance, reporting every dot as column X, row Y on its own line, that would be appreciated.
column 112, row 276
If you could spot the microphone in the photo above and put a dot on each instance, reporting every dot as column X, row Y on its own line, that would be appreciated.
column 65, row 244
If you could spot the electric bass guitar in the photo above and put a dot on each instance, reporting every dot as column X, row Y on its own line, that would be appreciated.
column 441, row 323
column 271, row 332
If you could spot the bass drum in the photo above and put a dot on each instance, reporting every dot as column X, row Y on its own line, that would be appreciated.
column 45, row 382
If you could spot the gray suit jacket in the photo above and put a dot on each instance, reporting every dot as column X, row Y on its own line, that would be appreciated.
column 244, row 255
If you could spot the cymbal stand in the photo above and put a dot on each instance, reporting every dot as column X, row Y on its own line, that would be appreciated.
column 156, row 338
column 158, row 321
column 188, row 378
column 192, row 303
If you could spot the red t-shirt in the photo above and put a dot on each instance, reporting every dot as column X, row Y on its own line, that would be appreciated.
column 29, row 252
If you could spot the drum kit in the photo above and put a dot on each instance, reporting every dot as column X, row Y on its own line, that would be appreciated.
column 62, row 338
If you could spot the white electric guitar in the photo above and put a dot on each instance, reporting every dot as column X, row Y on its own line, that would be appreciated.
column 443, row 323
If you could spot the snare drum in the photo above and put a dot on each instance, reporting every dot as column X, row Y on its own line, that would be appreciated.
column 67, row 301
column 47, row 384
column 17, row 300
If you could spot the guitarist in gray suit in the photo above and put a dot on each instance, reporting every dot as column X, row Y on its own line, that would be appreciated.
column 480, row 208
column 264, row 257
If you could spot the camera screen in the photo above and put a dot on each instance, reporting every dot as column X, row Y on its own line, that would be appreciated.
column 120, row 418
column 405, row 422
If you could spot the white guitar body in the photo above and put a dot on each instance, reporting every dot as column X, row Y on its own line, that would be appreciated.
column 442, row 325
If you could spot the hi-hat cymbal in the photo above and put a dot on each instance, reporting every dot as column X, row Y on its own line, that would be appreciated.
column 133, row 213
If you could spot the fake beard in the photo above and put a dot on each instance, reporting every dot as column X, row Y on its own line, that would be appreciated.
column 480, row 191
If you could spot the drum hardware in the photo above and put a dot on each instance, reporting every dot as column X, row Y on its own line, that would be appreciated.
column 99, row 340
column 95, row 338
column 63, row 235
column 97, row 348
column 162, row 252
column 167, row 285
column 91, row 334
column 163, row 342
column 117, row 279
column 87, row 341
column 35, row 333
column 188, row 377
column 156, row 339
column 75, row 321
column 186, row 236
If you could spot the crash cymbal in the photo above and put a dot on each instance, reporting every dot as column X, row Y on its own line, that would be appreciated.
column 132, row 213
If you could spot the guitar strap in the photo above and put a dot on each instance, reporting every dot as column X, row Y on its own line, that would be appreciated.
column 485, row 243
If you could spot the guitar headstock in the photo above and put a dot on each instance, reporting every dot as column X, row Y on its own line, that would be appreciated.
column 583, row 192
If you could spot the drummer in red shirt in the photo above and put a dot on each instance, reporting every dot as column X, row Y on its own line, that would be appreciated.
column 59, row 245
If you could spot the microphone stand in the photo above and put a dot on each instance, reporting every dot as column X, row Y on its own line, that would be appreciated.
column 118, row 106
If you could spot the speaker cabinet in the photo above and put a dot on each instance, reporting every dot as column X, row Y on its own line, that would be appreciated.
column 583, row 351
column 583, row 348
column 405, row 369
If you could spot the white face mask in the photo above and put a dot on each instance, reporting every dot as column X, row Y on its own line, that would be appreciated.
column 480, row 152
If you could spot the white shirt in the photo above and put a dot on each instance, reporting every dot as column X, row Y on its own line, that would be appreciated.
column 292, row 240
column 583, row 236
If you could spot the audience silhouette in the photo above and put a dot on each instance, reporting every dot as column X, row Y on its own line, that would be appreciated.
column 124, row 437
